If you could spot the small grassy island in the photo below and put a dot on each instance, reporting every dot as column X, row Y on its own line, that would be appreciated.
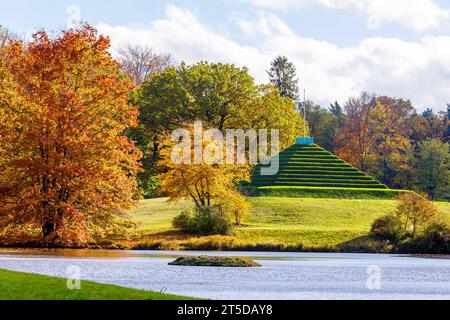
column 204, row 261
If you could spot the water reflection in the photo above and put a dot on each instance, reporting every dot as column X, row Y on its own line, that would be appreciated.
column 67, row 253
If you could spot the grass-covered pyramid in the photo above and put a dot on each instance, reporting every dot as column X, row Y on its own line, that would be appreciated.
column 309, row 170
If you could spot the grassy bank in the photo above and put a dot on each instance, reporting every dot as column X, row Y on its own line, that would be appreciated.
column 326, row 193
column 274, row 224
column 24, row 286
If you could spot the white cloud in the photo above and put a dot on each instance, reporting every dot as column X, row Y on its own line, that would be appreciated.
column 265, row 24
column 419, row 71
column 182, row 35
column 416, row 14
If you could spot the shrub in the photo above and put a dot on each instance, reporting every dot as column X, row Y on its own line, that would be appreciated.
column 388, row 228
column 415, row 227
column 211, row 221
column 235, row 206
column 415, row 212
column 204, row 221
column 436, row 239
column 183, row 220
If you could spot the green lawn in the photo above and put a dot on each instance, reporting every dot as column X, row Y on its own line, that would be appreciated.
column 157, row 214
column 24, row 286
column 290, row 221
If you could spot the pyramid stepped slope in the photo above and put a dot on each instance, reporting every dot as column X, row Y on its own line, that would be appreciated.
column 313, row 166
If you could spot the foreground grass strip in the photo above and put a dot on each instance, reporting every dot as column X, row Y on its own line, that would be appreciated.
column 25, row 286
column 205, row 261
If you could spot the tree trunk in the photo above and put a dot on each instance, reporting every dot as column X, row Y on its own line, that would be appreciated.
column 48, row 229
column 50, row 226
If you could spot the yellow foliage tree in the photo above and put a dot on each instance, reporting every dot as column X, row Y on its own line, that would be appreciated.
column 415, row 212
column 207, row 184
column 272, row 111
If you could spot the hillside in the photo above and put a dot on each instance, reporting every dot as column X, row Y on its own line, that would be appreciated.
column 312, row 223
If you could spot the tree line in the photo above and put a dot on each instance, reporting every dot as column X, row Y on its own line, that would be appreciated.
column 84, row 135
column 383, row 136
column 389, row 139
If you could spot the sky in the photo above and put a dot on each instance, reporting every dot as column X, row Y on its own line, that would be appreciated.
column 341, row 48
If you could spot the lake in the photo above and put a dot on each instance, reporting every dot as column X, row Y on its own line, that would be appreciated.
column 283, row 276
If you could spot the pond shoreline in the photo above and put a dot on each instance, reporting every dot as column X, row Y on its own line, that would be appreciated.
column 250, row 248
column 282, row 276
column 364, row 245
column 89, row 253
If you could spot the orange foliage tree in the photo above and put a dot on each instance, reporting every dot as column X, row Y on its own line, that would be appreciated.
column 376, row 137
column 354, row 140
column 66, row 169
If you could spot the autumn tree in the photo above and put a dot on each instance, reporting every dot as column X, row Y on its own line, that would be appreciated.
column 428, row 125
column 66, row 168
column 415, row 212
column 354, row 140
column 217, row 94
column 208, row 183
column 283, row 75
column 328, row 129
column 141, row 63
column 391, row 150
column 222, row 96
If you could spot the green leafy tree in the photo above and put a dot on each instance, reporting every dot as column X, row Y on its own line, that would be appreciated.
column 164, row 105
column 272, row 111
column 428, row 114
column 324, row 125
column 336, row 109
column 431, row 168
column 283, row 75
column 220, row 94
column 328, row 130
column 223, row 96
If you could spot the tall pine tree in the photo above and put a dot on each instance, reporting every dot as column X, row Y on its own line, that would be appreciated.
column 283, row 75
column 336, row 109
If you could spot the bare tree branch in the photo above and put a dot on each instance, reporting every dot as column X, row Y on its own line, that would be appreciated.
column 141, row 63
column 6, row 37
